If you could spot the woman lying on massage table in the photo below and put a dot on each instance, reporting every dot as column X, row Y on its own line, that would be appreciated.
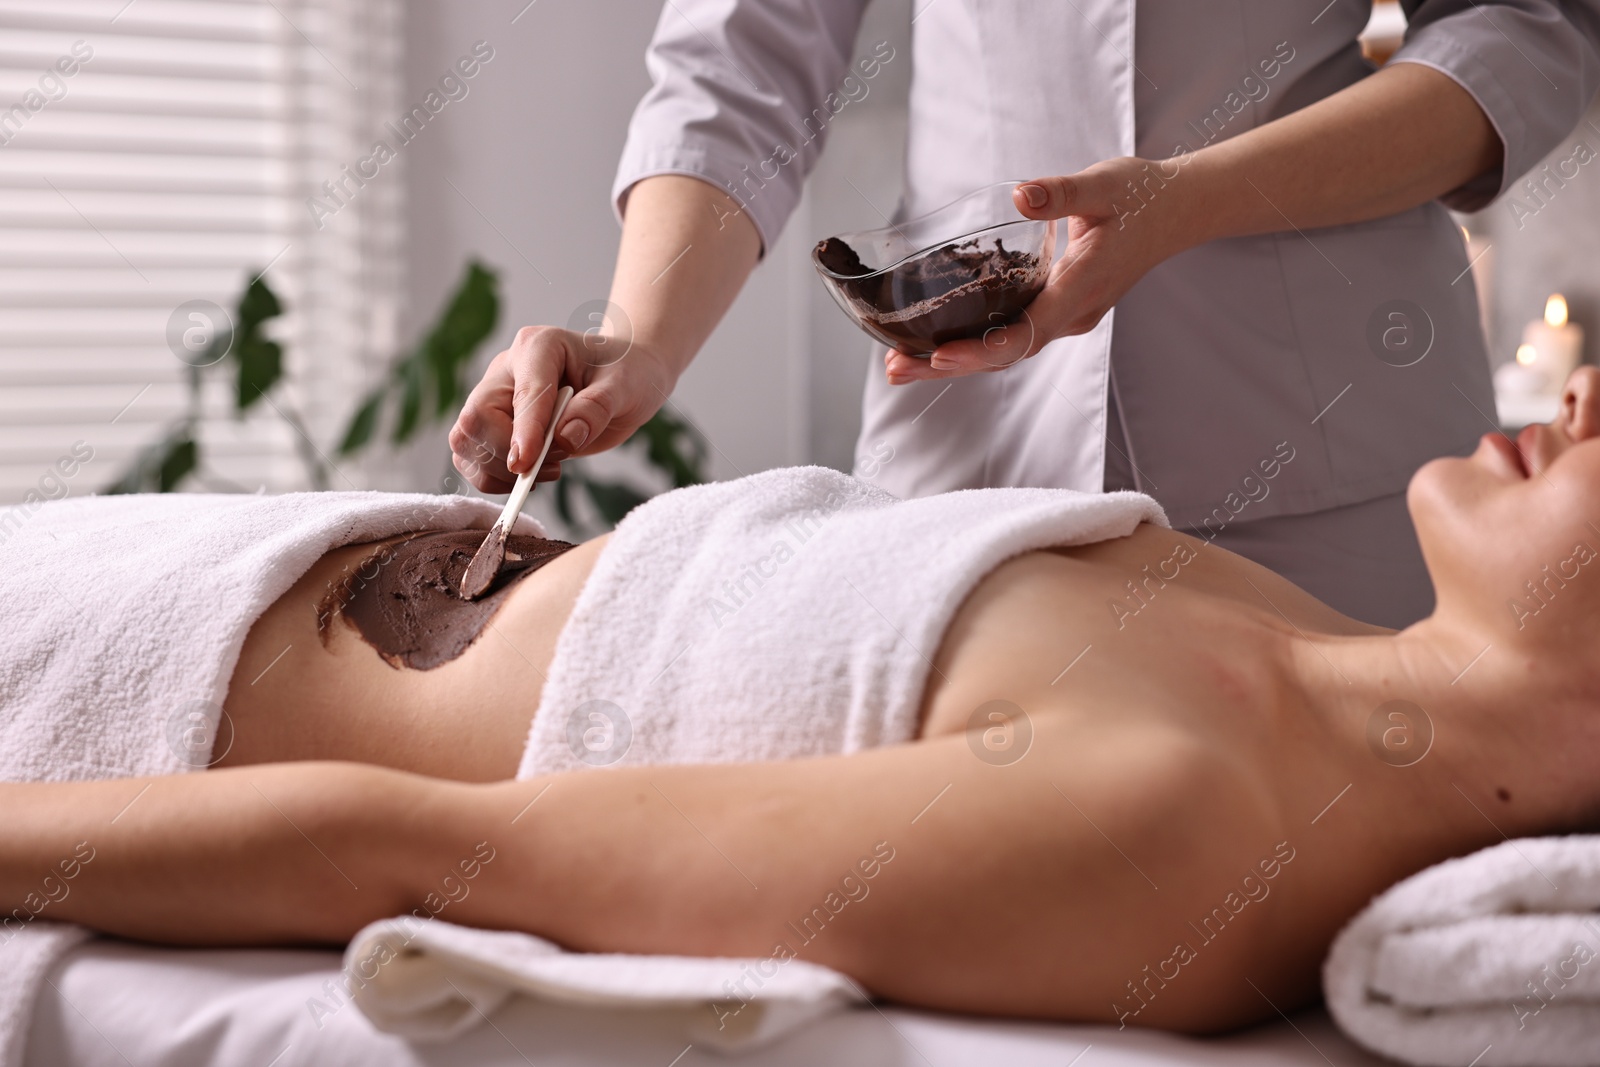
column 1218, row 758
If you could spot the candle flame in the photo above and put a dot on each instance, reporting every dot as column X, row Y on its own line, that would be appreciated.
column 1526, row 354
column 1555, row 310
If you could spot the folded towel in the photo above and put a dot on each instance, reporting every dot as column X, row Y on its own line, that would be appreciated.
column 788, row 614
column 124, row 617
column 1492, row 959
column 429, row 981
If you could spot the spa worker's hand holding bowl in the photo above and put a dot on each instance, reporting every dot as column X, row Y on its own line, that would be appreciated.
column 1112, row 238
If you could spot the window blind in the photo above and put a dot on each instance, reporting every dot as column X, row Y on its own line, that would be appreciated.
column 157, row 152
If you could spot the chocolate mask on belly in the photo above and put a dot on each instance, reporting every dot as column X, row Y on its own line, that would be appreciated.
column 404, row 598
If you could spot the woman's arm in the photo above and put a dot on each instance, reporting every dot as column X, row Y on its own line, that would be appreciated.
column 1401, row 137
column 931, row 876
column 273, row 854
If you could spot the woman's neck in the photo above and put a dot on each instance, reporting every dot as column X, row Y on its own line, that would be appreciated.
column 1499, row 733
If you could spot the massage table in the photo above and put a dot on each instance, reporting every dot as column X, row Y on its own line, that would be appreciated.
column 114, row 1004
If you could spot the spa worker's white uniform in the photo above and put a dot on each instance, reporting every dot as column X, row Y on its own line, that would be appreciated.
column 1240, row 383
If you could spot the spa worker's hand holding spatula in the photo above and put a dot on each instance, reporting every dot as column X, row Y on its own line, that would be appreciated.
column 491, row 555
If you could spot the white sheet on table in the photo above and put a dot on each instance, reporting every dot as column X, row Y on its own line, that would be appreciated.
column 110, row 1004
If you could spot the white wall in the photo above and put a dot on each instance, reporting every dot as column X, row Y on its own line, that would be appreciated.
column 1547, row 245
column 533, row 147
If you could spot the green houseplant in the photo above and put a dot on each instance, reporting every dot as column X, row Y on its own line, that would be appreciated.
column 421, row 388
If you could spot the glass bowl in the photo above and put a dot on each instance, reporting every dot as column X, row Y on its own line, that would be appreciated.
column 955, row 272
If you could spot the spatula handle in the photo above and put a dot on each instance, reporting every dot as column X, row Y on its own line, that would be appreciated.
column 524, row 486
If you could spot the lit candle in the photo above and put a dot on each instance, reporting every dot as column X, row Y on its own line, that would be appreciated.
column 1522, row 377
column 1555, row 346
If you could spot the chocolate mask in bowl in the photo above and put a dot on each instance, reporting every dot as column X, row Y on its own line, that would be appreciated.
column 958, row 272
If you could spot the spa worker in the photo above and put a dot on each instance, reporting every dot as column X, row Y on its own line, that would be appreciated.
column 1260, row 313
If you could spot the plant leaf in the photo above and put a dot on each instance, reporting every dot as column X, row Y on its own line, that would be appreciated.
column 133, row 479
column 435, row 366
column 260, row 361
column 410, row 375
column 159, row 467
column 257, row 304
column 467, row 321
column 364, row 422
column 569, row 478
column 182, row 456
column 675, row 447
column 613, row 499
column 260, row 366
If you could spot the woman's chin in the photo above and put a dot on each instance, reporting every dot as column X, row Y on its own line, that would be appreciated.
column 1443, row 499
column 1436, row 488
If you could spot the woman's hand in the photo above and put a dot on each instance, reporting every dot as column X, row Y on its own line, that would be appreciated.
column 1123, row 217
column 620, row 383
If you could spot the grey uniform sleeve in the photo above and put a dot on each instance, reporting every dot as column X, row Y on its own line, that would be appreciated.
column 1532, row 65
column 742, row 95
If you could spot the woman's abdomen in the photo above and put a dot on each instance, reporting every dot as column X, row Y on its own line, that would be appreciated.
column 308, row 687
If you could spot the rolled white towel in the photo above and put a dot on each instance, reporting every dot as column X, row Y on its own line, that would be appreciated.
column 429, row 981
column 1492, row 959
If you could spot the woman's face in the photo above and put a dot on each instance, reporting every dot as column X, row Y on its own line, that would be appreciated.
column 1512, row 533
